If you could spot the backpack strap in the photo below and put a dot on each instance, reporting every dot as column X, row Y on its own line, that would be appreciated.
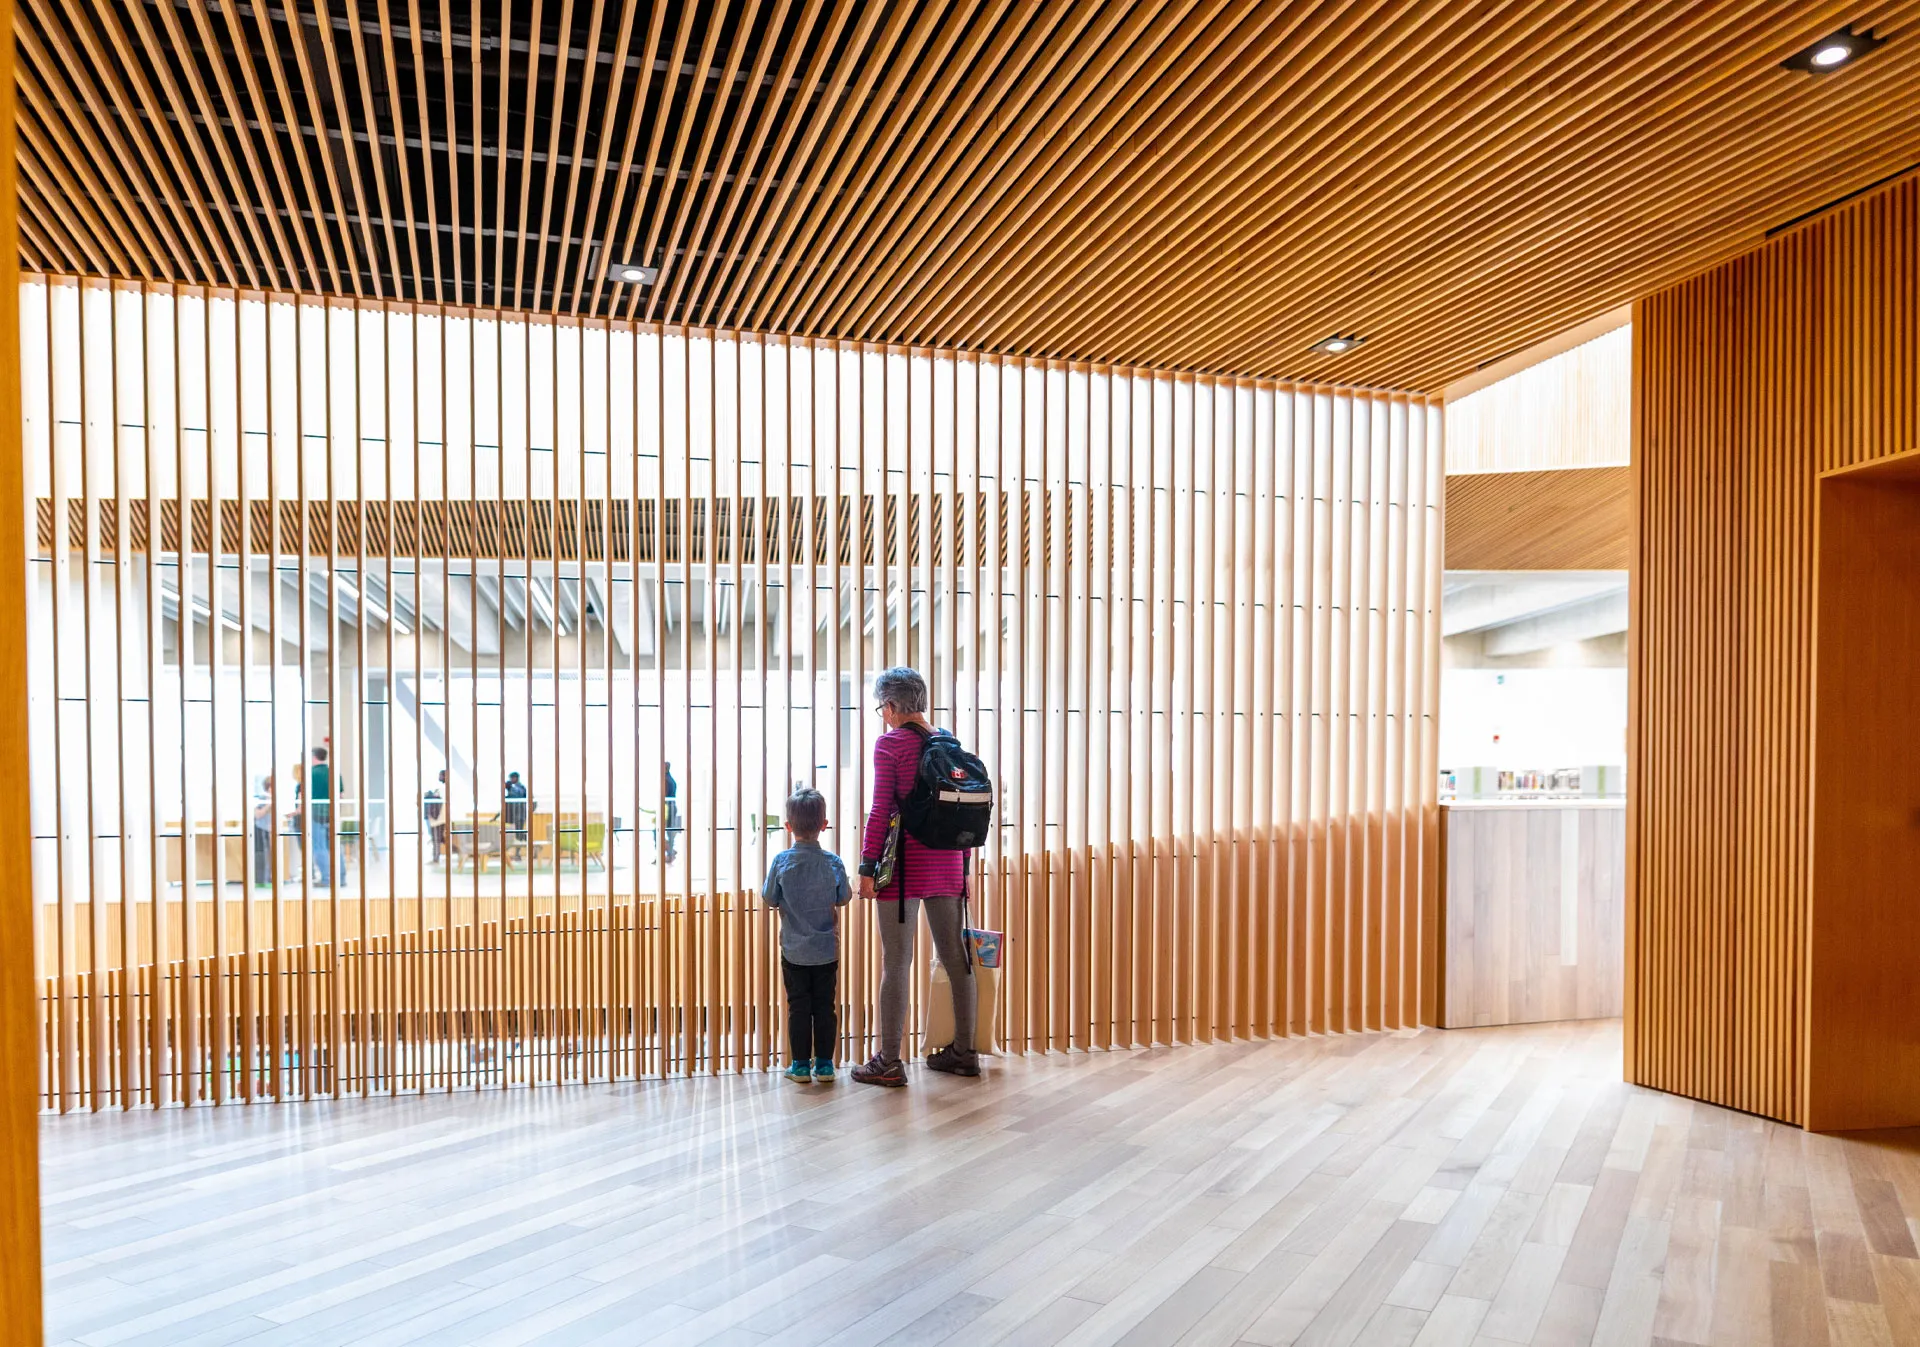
column 900, row 857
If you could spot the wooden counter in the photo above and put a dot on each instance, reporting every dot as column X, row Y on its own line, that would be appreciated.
column 1532, row 911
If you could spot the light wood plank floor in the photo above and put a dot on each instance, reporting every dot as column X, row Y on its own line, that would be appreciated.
column 1473, row 1186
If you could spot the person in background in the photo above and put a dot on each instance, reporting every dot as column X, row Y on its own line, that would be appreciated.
column 319, row 807
column 670, row 791
column 297, row 821
column 808, row 886
column 933, row 882
column 264, row 822
column 513, row 812
column 433, row 810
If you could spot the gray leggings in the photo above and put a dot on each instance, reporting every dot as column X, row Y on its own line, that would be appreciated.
column 896, row 969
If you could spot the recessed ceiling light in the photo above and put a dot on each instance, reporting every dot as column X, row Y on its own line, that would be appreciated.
column 632, row 273
column 1833, row 51
column 1338, row 345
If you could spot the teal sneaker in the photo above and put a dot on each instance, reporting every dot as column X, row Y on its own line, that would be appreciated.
column 800, row 1071
column 823, row 1068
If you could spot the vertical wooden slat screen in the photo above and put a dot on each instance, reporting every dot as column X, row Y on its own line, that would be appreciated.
column 1750, row 381
column 1191, row 622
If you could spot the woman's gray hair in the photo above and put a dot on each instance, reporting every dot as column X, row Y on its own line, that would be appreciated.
column 902, row 689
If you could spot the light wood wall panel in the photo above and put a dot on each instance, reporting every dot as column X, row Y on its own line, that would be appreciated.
column 1192, row 622
column 1566, row 519
column 20, row 1286
column 1751, row 380
column 1571, row 410
column 1532, row 904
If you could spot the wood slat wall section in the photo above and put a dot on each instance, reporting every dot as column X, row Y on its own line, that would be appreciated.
column 1571, row 410
column 1193, row 621
column 1750, row 380
column 20, row 1299
column 1565, row 519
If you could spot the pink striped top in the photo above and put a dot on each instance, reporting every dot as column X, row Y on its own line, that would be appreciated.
column 930, row 873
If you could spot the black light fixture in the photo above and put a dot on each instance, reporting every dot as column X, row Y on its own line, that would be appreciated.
column 632, row 273
column 1832, row 52
column 1338, row 345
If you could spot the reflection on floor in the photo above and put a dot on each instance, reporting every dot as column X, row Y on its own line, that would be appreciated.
column 1491, row 1186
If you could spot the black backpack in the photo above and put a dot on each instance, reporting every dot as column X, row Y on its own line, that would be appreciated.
column 950, row 807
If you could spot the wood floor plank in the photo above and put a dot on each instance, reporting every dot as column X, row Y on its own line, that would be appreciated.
column 1491, row 1186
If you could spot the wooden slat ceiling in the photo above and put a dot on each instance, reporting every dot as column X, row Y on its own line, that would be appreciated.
column 1210, row 184
column 1562, row 519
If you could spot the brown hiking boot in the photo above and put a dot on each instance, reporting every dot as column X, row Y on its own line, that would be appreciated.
column 954, row 1062
column 879, row 1071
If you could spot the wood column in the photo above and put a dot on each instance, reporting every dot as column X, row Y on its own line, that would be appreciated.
column 19, row 1052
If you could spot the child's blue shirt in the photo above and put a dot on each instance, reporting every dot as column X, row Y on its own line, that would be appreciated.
column 806, row 884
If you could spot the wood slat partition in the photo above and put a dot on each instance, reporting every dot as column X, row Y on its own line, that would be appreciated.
column 1192, row 623
column 1751, row 380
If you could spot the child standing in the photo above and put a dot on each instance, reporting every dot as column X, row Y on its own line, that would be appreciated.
column 809, row 886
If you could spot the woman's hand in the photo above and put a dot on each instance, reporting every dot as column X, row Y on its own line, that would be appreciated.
column 866, row 886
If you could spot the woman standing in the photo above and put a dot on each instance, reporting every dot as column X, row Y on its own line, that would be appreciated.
column 924, row 880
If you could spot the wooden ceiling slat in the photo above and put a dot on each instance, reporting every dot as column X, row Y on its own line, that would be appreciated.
column 920, row 149
column 526, row 151
column 736, row 124
column 843, row 152
column 1538, row 224
column 369, row 108
column 683, row 126
column 72, row 209
column 238, row 114
column 323, row 135
column 56, row 101
column 183, row 117
column 734, row 277
column 449, row 72
column 580, row 133
column 338, row 87
column 41, row 123
column 939, row 260
column 427, row 151
column 136, row 107
column 503, row 88
column 30, row 229
column 623, row 170
column 1206, row 184
column 258, row 106
column 479, row 197
column 1465, row 177
column 1008, row 91
column 965, row 249
column 702, row 156
column 556, row 119
column 1534, row 208
column 1508, row 301
column 1305, row 117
